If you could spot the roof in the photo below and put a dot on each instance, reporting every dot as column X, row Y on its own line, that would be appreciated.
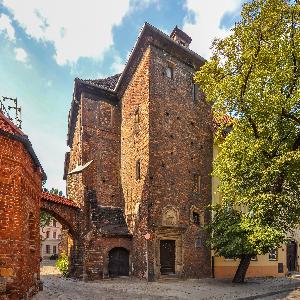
column 108, row 83
column 8, row 126
column 46, row 196
column 10, row 130
column 181, row 34
column 225, row 122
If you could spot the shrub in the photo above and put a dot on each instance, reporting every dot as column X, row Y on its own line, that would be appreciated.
column 63, row 264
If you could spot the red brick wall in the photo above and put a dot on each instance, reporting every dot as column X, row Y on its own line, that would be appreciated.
column 20, row 191
column 101, row 143
column 97, row 254
column 180, row 147
column 134, row 147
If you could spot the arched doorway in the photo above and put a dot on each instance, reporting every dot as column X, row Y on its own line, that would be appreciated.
column 291, row 256
column 118, row 262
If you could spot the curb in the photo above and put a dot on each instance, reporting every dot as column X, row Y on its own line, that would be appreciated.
column 290, row 289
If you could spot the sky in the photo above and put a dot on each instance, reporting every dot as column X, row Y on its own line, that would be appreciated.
column 45, row 44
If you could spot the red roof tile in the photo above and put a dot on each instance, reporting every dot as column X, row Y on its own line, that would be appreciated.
column 58, row 199
column 8, row 126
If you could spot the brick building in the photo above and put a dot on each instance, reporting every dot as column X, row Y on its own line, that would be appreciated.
column 21, row 178
column 140, row 161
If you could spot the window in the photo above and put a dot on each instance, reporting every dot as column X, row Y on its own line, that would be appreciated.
column 54, row 249
column 138, row 170
column 169, row 72
column 54, row 223
column 54, row 234
column 196, row 218
column 195, row 89
column 254, row 258
column 48, row 249
column 136, row 116
column 197, row 183
column 47, row 234
column 273, row 254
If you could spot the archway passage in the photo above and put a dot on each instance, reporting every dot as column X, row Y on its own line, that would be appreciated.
column 66, row 212
column 291, row 256
column 118, row 262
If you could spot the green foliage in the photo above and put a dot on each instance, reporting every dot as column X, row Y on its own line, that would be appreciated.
column 45, row 219
column 253, row 76
column 63, row 264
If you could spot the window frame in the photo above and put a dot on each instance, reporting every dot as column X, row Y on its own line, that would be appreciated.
column 271, row 253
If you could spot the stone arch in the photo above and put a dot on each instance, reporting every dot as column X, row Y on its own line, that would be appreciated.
column 170, row 216
column 118, row 262
column 68, row 214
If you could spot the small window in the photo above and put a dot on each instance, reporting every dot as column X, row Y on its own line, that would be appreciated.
column 54, row 234
column 195, row 90
column 136, row 116
column 54, row 249
column 197, row 183
column 273, row 254
column 138, row 170
column 54, row 223
column 196, row 218
column 169, row 72
column 47, row 234
column 254, row 258
column 48, row 249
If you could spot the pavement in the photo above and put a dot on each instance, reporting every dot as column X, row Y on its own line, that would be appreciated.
column 60, row 288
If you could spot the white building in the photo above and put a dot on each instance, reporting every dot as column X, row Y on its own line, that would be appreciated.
column 50, row 238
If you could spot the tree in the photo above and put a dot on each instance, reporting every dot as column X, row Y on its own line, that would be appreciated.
column 45, row 219
column 253, row 76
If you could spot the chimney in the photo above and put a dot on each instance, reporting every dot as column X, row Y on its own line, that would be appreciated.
column 180, row 37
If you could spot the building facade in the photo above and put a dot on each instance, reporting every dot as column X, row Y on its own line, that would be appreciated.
column 51, row 236
column 21, row 178
column 140, row 161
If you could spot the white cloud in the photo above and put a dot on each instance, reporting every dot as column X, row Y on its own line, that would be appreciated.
column 21, row 55
column 77, row 29
column 208, row 15
column 7, row 28
column 117, row 66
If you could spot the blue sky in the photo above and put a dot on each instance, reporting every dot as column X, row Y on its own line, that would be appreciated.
column 45, row 44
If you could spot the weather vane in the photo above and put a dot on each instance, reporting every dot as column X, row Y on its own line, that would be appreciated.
column 7, row 105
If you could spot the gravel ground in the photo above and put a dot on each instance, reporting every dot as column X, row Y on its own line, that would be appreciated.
column 59, row 288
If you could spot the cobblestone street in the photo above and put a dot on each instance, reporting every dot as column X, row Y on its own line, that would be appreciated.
column 57, row 287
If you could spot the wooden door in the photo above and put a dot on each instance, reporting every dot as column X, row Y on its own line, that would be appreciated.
column 118, row 262
column 167, row 257
column 291, row 256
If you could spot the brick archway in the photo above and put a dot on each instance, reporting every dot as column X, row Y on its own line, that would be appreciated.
column 64, row 210
column 69, row 215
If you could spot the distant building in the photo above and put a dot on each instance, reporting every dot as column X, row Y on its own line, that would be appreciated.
column 50, row 239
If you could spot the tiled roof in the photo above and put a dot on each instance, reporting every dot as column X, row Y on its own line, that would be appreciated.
column 108, row 83
column 8, row 126
column 46, row 196
column 226, row 122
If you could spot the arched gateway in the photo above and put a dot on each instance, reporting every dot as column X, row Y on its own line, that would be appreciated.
column 118, row 262
column 68, row 214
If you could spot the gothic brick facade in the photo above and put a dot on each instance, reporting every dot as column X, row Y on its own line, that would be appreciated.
column 21, row 178
column 140, row 161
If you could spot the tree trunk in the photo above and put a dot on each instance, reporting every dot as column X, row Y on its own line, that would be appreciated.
column 241, row 271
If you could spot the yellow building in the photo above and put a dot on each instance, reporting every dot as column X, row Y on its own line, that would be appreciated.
column 278, row 263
